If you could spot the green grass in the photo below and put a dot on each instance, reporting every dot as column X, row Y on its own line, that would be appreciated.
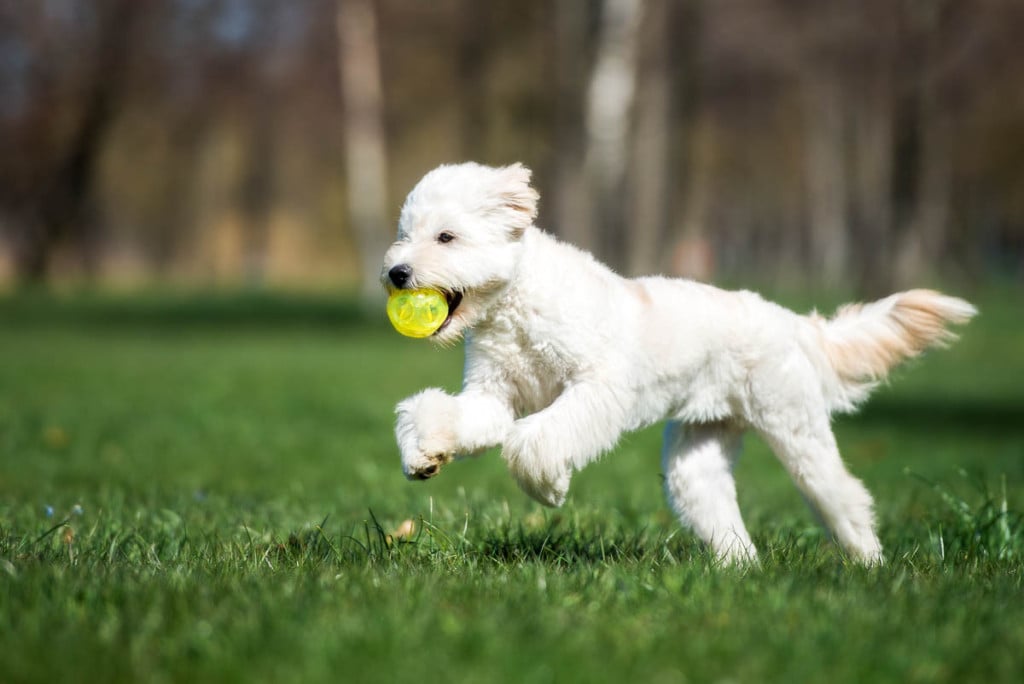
column 206, row 490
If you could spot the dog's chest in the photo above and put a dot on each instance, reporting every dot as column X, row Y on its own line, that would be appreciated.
column 535, row 370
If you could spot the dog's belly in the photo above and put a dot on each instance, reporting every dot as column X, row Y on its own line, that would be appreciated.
column 690, row 400
column 702, row 407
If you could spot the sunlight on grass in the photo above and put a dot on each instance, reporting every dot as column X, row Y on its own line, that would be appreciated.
column 218, row 497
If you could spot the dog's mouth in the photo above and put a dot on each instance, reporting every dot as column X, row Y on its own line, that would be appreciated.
column 454, row 299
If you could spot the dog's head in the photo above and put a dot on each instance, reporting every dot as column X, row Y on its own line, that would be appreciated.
column 460, row 232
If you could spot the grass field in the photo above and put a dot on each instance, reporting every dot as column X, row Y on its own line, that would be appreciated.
column 208, row 490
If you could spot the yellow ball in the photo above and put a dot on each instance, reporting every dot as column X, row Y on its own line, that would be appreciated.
column 417, row 313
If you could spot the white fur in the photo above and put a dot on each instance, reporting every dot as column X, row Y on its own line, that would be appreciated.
column 563, row 356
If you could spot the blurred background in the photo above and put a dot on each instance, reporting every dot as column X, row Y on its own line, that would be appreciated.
column 851, row 144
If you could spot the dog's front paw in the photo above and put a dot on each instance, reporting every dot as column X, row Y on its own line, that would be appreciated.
column 542, row 475
column 425, row 433
column 550, row 492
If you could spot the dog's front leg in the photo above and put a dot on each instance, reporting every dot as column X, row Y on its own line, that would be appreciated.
column 543, row 449
column 433, row 427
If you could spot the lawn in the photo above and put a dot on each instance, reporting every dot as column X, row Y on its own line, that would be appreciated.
column 208, row 490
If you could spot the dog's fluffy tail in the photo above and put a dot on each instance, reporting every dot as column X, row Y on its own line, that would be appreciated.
column 862, row 342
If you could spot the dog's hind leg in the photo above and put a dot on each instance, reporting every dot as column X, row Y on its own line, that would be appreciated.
column 698, row 462
column 807, row 448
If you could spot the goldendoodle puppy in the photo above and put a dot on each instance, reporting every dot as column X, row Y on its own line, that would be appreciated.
column 563, row 355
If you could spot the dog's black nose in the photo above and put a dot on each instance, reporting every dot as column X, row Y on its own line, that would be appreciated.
column 400, row 275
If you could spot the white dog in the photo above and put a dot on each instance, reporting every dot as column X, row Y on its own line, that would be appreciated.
column 563, row 356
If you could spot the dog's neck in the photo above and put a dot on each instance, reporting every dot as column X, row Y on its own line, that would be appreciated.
column 503, row 310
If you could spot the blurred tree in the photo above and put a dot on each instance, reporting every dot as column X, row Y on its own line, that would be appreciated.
column 689, row 252
column 849, row 144
column 70, row 115
column 874, row 109
column 473, row 51
column 827, row 186
column 650, row 174
column 572, row 48
column 941, row 38
column 366, row 163
column 610, row 97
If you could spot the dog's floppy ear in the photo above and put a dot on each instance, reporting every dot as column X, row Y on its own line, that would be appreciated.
column 518, row 200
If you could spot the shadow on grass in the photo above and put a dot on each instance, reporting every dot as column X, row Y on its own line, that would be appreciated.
column 569, row 545
column 990, row 415
column 204, row 310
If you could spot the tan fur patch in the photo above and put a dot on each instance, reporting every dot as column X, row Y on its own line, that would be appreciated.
column 877, row 341
column 640, row 292
column 517, row 195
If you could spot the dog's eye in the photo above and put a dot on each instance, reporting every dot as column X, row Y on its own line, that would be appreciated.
column 444, row 236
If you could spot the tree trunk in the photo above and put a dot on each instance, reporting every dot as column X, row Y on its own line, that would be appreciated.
column 573, row 217
column 923, row 243
column 365, row 157
column 689, row 252
column 64, row 208
column 873, row 198
column 692, row 253
column 649, row 176
column 610, row 99
column 825, row 177
column 471, row 65
column 256, row 198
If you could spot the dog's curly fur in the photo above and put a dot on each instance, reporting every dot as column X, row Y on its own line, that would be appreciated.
column 563, row 356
